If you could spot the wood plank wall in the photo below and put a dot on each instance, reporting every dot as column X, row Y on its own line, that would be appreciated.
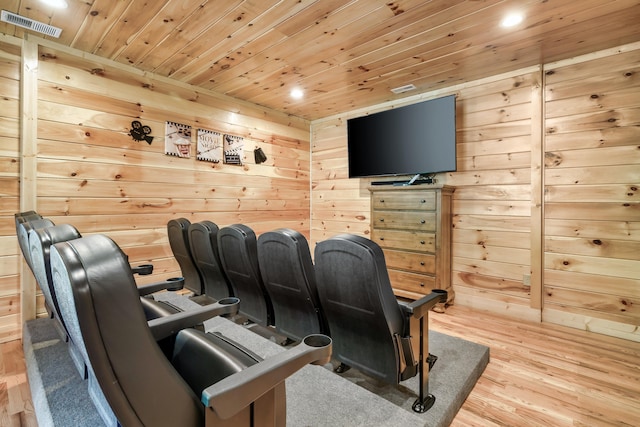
column 10, row 262
column 577, row 238
column 592, row 197
column 509, row 242
column 492, row 214
column 92, row 174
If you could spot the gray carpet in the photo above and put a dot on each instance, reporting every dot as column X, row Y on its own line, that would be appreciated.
column 60, row 396
column 316, row 396
column 354, row 399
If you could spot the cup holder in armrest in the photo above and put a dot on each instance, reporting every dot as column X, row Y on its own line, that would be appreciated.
column 143, row 270
column 229, row 300
column 177, row 283
column 319, row 341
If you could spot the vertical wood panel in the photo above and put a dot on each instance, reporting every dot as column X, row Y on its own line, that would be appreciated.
column 10, row 145
column 28, row 160
column 593, row 178
column 537, row 190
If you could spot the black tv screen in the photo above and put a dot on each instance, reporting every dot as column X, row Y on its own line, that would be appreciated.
column 414, row 139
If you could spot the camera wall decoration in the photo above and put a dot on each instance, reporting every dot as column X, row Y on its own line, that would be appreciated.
column 140, row 132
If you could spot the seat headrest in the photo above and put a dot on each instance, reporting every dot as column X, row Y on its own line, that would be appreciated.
column 23, row 228
column 40, row 241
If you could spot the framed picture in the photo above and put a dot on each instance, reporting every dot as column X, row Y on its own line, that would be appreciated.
column 177, row 139
column 233, row 149
column 209, row 146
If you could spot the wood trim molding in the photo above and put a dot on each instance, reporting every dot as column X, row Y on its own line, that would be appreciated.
column 537, row 191
column 28, row 160
column 593, row 55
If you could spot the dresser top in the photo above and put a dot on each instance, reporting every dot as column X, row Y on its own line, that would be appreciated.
column 444, row 188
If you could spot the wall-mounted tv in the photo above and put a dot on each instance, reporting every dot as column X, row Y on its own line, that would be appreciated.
column 415, row 139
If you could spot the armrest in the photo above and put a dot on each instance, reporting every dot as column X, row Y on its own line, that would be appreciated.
column 420, row 307
column 173, row 284
column 143, row 269
column 235, row 392
column 166, row 326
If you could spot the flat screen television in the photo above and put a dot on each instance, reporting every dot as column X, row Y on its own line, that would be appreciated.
column 415, row 139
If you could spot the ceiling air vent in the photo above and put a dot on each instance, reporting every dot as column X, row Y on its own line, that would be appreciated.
column 30, row 24
column 402, row 89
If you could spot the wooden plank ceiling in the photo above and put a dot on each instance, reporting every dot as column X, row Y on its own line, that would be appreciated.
column 344, row 55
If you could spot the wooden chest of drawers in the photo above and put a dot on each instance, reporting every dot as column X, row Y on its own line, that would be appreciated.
column 412, row 225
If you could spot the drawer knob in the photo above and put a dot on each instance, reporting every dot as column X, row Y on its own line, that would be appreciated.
column 423, row 201
column 422, row 242
column 422, row 221
column 381, row 219
column 381, row 200
column 421, row 262
column 382, row 238
column 422, row 284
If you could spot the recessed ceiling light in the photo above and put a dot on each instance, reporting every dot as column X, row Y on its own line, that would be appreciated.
column 512, row 20
column 296, row 93
column 58, row 4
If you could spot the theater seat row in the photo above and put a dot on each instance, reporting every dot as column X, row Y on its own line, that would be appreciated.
column 272, row 275
column 346, row 294
column 206, row 379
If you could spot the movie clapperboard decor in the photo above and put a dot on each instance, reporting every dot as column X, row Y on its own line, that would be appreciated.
column 209, row 147
column 177, row 139
column 233, row 149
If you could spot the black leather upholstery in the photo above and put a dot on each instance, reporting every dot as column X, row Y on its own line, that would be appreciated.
column 288, row 274
column 203, row 242
column 136, row 378
column 371, row 330
column 363, row 314
column 239, row 258
column 177, row 231
column 142, row 386
column 194, row 348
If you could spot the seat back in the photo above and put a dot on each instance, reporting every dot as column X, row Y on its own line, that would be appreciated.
column 363, row 313
column 23, row 226
column 40, row 241
column 239, row 259
column 288, row 274
column 203, row 242
column 25, row 217
column 138, row 381
column 177, row 231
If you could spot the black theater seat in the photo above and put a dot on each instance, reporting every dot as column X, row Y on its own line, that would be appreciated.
column 209, row 380
column 371, row 330
column 239, row 258
column 288, row 274
column 178, row 234
column 203, row 242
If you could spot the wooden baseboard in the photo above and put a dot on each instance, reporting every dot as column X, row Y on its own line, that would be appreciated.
column 500, row 307
column 592, row 324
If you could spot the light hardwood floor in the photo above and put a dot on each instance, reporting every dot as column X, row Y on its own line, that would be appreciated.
column 539, row 375
column 16, row 407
